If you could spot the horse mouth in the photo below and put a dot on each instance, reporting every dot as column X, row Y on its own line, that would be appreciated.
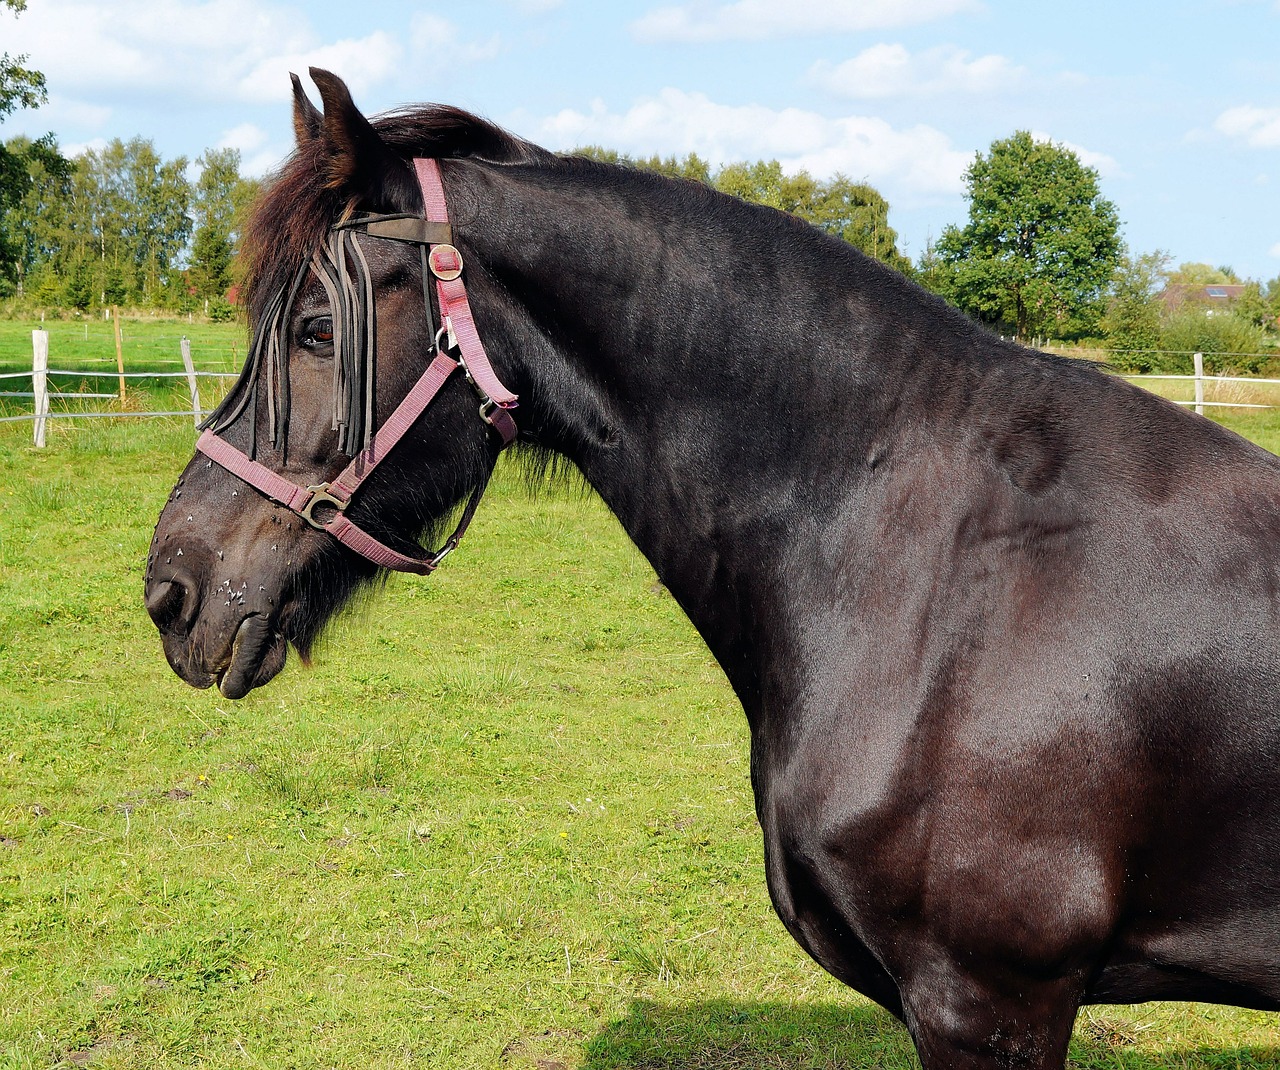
column 258, row 652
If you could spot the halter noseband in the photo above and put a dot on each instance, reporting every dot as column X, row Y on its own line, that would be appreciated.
column 457, row 334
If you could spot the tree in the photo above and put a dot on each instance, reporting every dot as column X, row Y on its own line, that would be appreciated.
column 34, row 180
column 1132, row 319
column 853, row 211
column 19, row 86
column 1041, row 242
column 1198, row 274
column 134, row 207
column 691, row 167
column 220, row 200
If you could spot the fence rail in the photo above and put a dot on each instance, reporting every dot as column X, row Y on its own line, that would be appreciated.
column 41, row 395
column 1199, row 379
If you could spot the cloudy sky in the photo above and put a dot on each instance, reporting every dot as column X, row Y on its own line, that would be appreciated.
column 1176, row 104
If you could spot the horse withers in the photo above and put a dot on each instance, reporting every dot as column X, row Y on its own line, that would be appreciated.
column 1004, row 627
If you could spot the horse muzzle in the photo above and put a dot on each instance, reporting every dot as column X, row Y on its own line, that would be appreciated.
column 235, row 645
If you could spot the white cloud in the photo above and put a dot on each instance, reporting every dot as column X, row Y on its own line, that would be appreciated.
column 1259, row 127
column 246, row 137
column 364, row 63
column 535, row 7
column 232, row 50
column 886, row 70
column 173, row 45
column 1106, row 166
column 433, row 36
column 61, row 111
column 753, row 20
column 74, row 149
column 1275, row 249
column 257, row 154
column 918, row 159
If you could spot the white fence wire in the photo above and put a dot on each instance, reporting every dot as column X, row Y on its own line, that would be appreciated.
column 41, row 395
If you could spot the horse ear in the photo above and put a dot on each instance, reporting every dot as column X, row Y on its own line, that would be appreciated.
column 307, row 120
column 359, row 161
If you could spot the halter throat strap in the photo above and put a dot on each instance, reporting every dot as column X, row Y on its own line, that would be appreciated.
column 324, row 505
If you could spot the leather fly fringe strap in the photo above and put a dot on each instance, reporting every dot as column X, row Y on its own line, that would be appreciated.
column 343, row 271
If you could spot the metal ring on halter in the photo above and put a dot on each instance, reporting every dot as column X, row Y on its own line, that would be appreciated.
column 320, row 496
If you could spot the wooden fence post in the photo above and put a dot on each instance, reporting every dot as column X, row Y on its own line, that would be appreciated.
column 1197, row 360
column 115, row 315
column 191, row 379
column 40, row 381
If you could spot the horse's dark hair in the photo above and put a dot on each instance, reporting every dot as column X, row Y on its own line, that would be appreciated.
column 290, row 232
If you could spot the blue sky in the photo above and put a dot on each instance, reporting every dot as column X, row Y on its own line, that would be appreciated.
column 1176, row 104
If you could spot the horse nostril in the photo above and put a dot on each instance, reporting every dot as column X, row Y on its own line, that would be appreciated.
column 173, row 603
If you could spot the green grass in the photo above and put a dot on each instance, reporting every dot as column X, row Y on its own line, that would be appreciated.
column 148, row 344
column 505, row 821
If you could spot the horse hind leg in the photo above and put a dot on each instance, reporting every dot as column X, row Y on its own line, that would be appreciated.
column 959, row 1021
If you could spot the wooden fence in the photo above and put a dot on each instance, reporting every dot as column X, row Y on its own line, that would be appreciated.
column 42, row 396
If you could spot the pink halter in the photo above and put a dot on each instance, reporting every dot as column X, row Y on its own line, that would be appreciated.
column 459, row 334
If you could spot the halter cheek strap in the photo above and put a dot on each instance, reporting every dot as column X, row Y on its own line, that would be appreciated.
column 323, row 505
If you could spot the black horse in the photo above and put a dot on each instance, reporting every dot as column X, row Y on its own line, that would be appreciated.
column 1004, row 628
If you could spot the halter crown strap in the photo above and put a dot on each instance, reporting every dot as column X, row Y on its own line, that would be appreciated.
column 455, row 309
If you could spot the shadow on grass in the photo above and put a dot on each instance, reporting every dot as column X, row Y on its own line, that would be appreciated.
column 730, row 1035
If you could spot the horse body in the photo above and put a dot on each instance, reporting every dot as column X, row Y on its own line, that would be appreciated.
column 1004, row 628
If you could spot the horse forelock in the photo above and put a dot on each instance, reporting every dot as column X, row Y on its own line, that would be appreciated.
column 293, row 217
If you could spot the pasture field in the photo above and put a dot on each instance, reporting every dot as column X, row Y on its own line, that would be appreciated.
column 504, row 821
column 147, row 345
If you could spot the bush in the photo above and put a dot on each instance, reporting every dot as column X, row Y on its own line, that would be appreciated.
column 221, row 310
column 1230, row 344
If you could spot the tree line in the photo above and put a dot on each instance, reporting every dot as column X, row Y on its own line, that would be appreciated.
column 1040, row 255
column 113, row 226
column 119, row 226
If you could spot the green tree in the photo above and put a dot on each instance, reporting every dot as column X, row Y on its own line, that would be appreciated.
column 220, row 200
column 1230, row 344
column 1041, row 243
column 1198, row 274
column 1253, row 307
column 35, row 182
column 845, row 209
column 691, row 167
column 1131, row 322
column 134, row 207
column 849, row 210
column 20, row 87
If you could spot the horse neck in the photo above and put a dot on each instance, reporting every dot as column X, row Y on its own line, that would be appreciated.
column 698, row 360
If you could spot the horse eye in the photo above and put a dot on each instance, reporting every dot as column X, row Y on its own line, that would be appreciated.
column 317, row 332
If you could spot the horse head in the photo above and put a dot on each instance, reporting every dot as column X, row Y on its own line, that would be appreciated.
column 344, row 327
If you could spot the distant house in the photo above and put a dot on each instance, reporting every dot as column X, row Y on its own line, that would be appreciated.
column 1210, row 297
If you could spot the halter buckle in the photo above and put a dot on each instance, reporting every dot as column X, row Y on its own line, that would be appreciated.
column 320, row 496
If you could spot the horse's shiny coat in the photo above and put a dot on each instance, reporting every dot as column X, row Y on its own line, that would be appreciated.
column 1004, row 628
